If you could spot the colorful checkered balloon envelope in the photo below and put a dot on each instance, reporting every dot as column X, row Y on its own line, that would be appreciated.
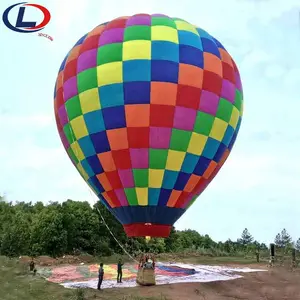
column 148, row 108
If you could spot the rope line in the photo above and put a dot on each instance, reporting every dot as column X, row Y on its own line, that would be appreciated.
column 121, row 246
column 95, row 202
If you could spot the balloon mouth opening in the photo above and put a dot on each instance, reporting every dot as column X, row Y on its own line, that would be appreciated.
column 147, row 230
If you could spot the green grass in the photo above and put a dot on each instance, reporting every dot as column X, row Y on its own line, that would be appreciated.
column 17, row 284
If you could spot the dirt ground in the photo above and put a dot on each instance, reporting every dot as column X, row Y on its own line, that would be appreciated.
column 49, row 261
column 279, row 283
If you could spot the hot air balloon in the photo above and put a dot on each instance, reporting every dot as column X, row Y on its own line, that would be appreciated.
column 148, row 108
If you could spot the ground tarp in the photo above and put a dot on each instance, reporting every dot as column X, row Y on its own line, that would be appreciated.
column 86, row 275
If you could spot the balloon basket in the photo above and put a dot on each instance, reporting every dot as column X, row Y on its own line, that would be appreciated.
column 145, row 277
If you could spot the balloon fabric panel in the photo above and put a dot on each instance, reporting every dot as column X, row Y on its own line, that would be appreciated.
column 148, row 108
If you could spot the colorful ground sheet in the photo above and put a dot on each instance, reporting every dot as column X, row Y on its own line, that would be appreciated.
column 85, row 272
column 85, row 276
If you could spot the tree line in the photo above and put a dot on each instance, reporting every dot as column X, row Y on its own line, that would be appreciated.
column 75, row 227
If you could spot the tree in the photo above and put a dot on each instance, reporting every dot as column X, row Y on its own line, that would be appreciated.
column 263, row 246
column 278, row 241
column 229, row 246
column 297, row 246
column 286, row 238
column 246, row 238
column 283, row 239
column 8, row 245
column 60, row 228
column 83, row 227
column 172, row 241
column 48, row 234
column 16, row 237
column 157, row 245
column 207, row 242
column 190, row 239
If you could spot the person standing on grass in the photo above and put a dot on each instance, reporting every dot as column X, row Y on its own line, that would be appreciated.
column 120, row 273
column 257, row 255
column 31, row 265
column 100, row 276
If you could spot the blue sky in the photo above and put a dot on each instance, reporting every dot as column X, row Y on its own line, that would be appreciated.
column 259, row 185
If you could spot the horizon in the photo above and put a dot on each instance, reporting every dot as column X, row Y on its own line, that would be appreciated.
column 257, row 188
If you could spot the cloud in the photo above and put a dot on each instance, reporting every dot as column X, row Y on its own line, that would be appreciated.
column 66, row 14
column 255, row 58
column 262, row 135
column 292, row 78
column 274, row 71
column 10, row 120
column 243, row 172
column 38, row 173
column 34, row 164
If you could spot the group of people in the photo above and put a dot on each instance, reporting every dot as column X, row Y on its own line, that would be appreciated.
column 146, row 261
column 101, row 273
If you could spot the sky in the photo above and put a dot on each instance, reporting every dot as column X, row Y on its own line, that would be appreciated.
column 259, row 185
